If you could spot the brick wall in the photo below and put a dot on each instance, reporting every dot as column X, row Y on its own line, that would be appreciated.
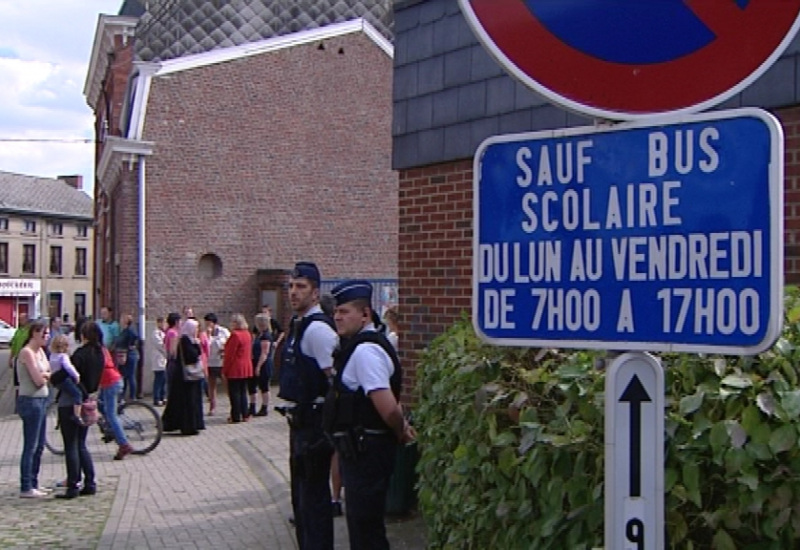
column 124, row 275
column 790, row 120
column 267, row 160
column 435, row 264
column 435, row 271
column 111, row 216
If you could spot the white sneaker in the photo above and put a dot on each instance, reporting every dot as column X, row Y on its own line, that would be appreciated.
column 33, row 493
column 45, row 490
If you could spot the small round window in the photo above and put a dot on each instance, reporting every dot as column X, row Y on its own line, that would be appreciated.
column 210, row 266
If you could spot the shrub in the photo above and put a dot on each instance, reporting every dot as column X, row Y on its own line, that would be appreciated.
column 512, row 445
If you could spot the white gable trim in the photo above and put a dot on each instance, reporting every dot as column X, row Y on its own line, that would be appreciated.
column 147, row 71
column 108, row 27
column 274, row 44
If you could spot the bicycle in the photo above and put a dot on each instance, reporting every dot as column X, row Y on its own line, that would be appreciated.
column 140, row 421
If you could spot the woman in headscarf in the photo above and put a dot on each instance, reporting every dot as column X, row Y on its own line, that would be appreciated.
column 184, row 403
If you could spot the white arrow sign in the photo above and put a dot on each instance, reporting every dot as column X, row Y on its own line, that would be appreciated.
column 634, row 487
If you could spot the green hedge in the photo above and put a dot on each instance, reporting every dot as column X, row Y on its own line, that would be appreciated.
column 512, row 445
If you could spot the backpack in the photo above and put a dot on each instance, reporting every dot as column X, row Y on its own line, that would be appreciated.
column 89, row 412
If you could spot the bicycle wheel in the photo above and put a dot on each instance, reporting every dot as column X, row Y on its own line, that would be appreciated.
column 142, row 426
column 52, row 435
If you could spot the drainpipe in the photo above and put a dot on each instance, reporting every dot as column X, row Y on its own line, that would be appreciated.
column 142, row 248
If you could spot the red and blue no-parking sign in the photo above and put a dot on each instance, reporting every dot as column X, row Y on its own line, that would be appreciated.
column 627, row 59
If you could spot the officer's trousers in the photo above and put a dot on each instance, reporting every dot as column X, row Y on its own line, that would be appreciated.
column 310, row 467
column 366, row 483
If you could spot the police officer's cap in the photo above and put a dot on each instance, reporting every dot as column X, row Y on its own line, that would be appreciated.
column 355, row 289
column 308, row 270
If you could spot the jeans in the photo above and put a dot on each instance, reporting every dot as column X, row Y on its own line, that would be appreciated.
column 129, row 373
column 109, row 398
column 159, row 386
column 32, row 412
column 75, row 452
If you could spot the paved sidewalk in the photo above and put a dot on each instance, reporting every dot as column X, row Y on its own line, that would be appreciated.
column 225, row 488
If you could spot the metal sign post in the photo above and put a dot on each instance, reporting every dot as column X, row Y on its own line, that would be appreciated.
column 634, row 490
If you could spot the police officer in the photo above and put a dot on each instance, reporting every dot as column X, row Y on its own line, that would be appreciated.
column 368, row 421
column 304, row 381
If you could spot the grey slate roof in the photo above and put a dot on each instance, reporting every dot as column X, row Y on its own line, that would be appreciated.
column 175, row 28
column 43, row 196
column 449, row 94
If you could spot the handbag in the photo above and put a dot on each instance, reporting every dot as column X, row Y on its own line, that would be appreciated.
column 89, row 413
column 193, row 371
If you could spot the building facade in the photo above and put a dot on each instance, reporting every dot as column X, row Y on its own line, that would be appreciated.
column 228, row 152
column 235, row 139
column 46, row 247
column 449, row 95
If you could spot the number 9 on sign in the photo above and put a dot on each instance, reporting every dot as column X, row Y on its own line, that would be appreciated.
column 634, row 532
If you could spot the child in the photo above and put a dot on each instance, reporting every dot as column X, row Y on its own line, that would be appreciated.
column 67, row 379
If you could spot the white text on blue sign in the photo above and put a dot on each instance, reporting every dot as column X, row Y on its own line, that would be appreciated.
column 648, row 234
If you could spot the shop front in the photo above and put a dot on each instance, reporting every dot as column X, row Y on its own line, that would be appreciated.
column 19, row 296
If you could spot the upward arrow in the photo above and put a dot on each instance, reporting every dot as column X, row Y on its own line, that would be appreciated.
column 635, row 394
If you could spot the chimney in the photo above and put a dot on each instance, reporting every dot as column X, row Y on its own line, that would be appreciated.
column 73, row 181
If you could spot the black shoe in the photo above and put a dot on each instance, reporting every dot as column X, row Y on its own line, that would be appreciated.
column 88, row 491
column 252, row 410
column 68, row 495
column 262, row 412
column 337, row 508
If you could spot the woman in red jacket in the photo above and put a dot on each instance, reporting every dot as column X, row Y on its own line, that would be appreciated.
column 237, row 367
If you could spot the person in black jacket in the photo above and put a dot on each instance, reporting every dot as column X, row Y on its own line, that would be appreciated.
column 88, row 361
column 184, row 410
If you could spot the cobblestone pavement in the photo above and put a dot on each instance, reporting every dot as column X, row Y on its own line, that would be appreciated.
column 225, row 488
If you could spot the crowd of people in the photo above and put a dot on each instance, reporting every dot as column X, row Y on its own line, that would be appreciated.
column 340, row 376
column 43, row 366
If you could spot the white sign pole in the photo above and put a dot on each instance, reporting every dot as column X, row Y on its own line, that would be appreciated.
column 634, row 482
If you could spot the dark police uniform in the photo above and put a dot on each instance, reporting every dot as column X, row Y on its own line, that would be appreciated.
column 304, row 385
column 366, row 444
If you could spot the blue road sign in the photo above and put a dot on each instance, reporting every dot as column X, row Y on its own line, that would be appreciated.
column 654, row 237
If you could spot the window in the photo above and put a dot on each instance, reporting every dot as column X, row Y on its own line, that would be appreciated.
column 3, row 224
column 30, row 226
column 80, row 305
column 3, row 257
column 210, row 266
column 55, row 260
column 29, row 258
column 54, row 304
column 83, row 231
column 80, row 262
column 56, row 229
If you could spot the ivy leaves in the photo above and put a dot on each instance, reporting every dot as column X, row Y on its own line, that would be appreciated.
column 512, row 445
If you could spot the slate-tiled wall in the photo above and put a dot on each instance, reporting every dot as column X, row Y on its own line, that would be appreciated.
column 449, row 94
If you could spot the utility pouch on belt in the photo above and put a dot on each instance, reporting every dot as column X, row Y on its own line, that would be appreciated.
column 346, row 445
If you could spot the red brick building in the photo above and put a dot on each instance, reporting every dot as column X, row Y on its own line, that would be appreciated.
column 246, row 158
column 235, row 139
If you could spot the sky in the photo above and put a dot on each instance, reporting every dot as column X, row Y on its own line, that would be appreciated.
column 45, row 49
